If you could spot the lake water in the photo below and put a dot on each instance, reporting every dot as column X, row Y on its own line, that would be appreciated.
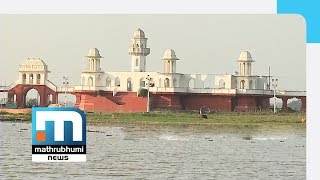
column 153, row 152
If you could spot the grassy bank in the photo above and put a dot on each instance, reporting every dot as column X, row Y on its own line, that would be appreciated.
column 191, row 118
column 7, row 116
column 184, row 118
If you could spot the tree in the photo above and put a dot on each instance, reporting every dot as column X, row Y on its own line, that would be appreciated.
column 143, row 92
column 32, row 102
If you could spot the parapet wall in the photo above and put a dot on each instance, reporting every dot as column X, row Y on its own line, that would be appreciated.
column 129, row 102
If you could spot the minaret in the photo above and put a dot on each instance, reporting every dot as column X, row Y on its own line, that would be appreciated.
column 94, row 60
column 92, row 76
column 245, row 61
column 169, row 61
column 139, row 51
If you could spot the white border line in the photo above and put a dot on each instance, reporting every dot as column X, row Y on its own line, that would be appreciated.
column 313, row 111
column 140, row 6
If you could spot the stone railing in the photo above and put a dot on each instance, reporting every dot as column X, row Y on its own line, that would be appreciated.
column 91, row 88
column 254, row 91
column 168, row 89
column 12, row 85
column 50, row 85
column 290, row 93
column 66, row 89
column 188, row 90
column 212, row 91
column 144, row 51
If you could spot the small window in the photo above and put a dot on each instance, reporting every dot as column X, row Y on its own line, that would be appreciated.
column 137, row 62
column 137, row 45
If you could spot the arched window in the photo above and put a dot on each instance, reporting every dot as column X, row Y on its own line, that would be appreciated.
column 242, row 84
column 38, row 78
column 90, row 81
column 222, row 84
column 137, row 62
column 244, row 68
column 174, row 82
column 250, row 84
column 108, row 82
column 129, row 84
column 14, row 99
column 142, row 82
column 31, row 79
column 24, row 78
column 236, row 84
column 117, row 82
column 167, row 82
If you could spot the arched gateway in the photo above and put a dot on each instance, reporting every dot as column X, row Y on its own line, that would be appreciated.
column 33, row 74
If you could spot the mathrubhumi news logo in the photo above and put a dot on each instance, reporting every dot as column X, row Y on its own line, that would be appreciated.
column 58, row 135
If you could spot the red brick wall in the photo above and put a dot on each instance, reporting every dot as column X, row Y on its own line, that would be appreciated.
column 251, row 102
column 214, row 102
column 166, row 101
column 21, row 92
column 129, row 102
column 122, row 102
column 245, row 103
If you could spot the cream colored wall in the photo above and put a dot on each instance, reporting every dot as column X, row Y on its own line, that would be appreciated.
column 43, row 77
column 158, row 79
column 227, row 80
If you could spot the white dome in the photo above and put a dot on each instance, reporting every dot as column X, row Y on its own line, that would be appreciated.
column 170, row 55
column 138, row 34
column 245, row 56
column 34, row 61
column 94, row 52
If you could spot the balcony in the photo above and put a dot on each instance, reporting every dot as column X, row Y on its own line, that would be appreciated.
column 139, row 51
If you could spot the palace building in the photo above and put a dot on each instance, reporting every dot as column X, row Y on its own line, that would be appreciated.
column 168, row 89
column 123, row 91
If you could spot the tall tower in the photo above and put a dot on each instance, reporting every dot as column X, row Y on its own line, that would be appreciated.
column 94, row 60
column 138, row 51
column 33, row 71
column 169, row 61
column 245, row 61
column 92, row 76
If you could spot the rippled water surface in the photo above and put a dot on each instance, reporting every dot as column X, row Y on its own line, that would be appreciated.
column 150, row 152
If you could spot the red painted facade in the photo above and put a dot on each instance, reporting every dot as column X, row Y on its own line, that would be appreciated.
column 21, row 91
column 216, row 102
column 129, row 102
column 106, row 102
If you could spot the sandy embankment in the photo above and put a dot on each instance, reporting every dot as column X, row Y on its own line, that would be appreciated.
column 17, row 111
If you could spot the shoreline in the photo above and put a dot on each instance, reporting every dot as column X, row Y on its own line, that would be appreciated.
column 202, row 125
column 182, row 119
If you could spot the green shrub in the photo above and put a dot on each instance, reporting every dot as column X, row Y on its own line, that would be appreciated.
column 100, row 93
column 3, row 112
column 143, row 93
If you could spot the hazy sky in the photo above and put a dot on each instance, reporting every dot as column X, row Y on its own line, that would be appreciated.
column 208, row 44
